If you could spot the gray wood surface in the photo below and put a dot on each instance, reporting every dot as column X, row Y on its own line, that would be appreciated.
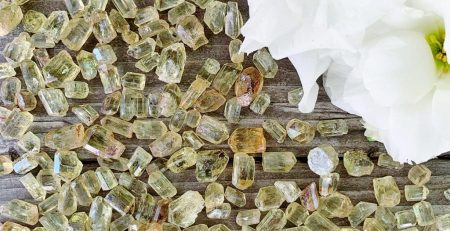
column 358, row 189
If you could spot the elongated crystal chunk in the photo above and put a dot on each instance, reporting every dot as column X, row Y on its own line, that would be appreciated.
column 149, row 129
column 25, row 163
column 100, row 141
column 212, row 130
column 11, row 17
column 54, row 221
column 208, row 70
column 76, row 33
column 102, row 27
column 275, row 219
column 219, row 212
column 225, row 77
column 67, row 200
column 171, row 66
column 106, row 178
column 148, row 62
column 54, row 102
column 361, row 211
column 119, row 23
column 296, row 213
column 6, row 165
column 233, row 20
column 104, row 54
column 67, row 137
column 194, row 91
column 60, row 69
column 32, row 76
column 100, row 214
column 209, row 101
column 16, row 124
column 290, row 190
column 6, row 70
column 268, row 198
column 120, row 199
column 162, row 5
column 210, row 164
column 243, row 171
column 386, row 217
column 21, row 211
column 309, row 197
column 278, row 161
column 138, row 161
column 183, row 210
column 386, row 191
column 9, row 89
column 91, row 181
column 86, row 113
column 33, row 187
column 75, row 8
column 182, row 159
column 146, row 14
column 332, row 127
column 386, row 161
column 142, row 48
column 214, row 195
column 416, row 193
column 127, row 8
column 248, row 140
column 117, row 126
column 79, row 221
column 88, row 64
column 214, row 16
column 161, row 185
column 193, row 140
column 419, row 174
column 19, row 49
column 133, row 80
column 265, row 63
column 182, row 10
column 50, row 182
column 152, row 28
column 166, row 144
column 81, row 191
column 275, row 130
column 335, row 205
column 191, row 32
column 67, row 165
column 328, row 183
column 111, row 103
column 235, row 197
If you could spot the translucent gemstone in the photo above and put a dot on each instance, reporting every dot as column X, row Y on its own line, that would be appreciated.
column 290, row 190
column 248, row 85
column 372, row 224
column 361, row 211
column 67, row 137
column 59, row 69
column 275, row 219
column 110, row 78
column 177, row 121
column 85, row 113
column 300, row 131
column 26, row 100
column 269, row 198
column 122, row 223
column 219, row 212
column 309, row 197
column 6, row 165
column 111, row 103
column 67, row 200
column 243, row 171
column 167, row 37
column 119, row 23
column 120, row 199
column 201, row 3
column 49, row 181
column 148, row 62
column 357, row 163
column 191, row 32
column 232, row 110
column 54, row 221
column 102, row 27
column 145, row 205
column 101, row 142
column 33, row 187
column 5, row 113
column 20, row 211
column 191, row 139
column 94, row 5
column 278, row 161
column 386, row 217
column 130, row 37
column 139, row 161
column 142, row 48
column 182, row 160
column 117, row 126
column 265, row 63
column 193, row 118
column 225, row 77
column 32, row 76
column 6, row 70
column 25, row 163
column 127, row 8
column 248, row 217
column 424, row 213
column 416, row 193
column 135, row 186
column 19, row 49
column 443, row 222
column 106, row 178
column 248, row 140
column 161, row 185
column 166, row 144
column 214, row 16
column 67, row 165
column 76, row 90
column 200, row 227
column 54, row 102
column 88, row 64
column 209, row 101
column 235, row 197
column 208, row 70
column 162, row 5
column 183, row 210
column 210, row 164
column 212, row 130
column 146, row 14
column 328, row 184
column 9, row 89
column 335, row 205
column 386, row 191
column 168, row 227
column 275, row 130
column 11, row 17
column 405, row 219
column 194, row 91
column 100, row 214
column 131, row 104
column 104, row 54
column 295, row 96
column 419, row 174
column 296, row 213
column 91, row 181
column 50, row 204
column 133, row 80
column 261, row 103
column 11, row 226
column 332, row 127
column 171, row 66
column 79, row 221
column 214, row 195
column 29, row 143
column 76, row 33
column 182, row 10
column 149, row 129
column 386, row 161
column 41, row 40
column 75, row 8
column 234, row 49
column 323, row 160
column 152, row 28
column 81, row 191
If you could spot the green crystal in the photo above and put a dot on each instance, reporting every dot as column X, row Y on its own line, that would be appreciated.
column 443, row 222
column 248, row 217
column 172, row 61
column 275, row 219
column 60, row 69
column 67, row 165
column 208, row 70
column 139, row 161
column 278, row 161
column 361, row 211
column 88, row 64
column 67, row 137
column 145, row 15
column 9, row 89
column 201, row 3
column 6, row 70
column 6, row 165
column 182, row 10
column 419, row 174
column 161, row 185
column 357, row 163
column 232, row 110
column 212, row 130
column 183, row 210
column 119, row 23
column 191, row 138
column 309, row 197
column 167, row 37
column 19, row 49
column 120, row 199
column 32, row 76
column 152, row 28
column 122, row 223
column 127, row 8
column 135, row 186
column 243, row 171
column 261, row 103
column 295, row 96
column 149, row 129
column 162, row 5
column 191, row 32
column 20, row 211
column 235, row 197
column 193, row 118
column 386, row 217
column 104, row 54
column 76, row 90
column 214, row 195
column 26, row 100
column 225, row 77
column 234, row 49
column 373, row 224
column 41, row 40
column 296, row 213
column 142, row 48
column 328, row 184
column 54, row 102
column 133, row 80
column 94, row 5
column 300, row 131
column 416, row 193
column 76, row 33
column 194, row 91
column 177, row 121
column 111, row 103
column 214, row 16
column 106, row 178
column 110, row 78
column 323, row 160
column 130, row 104
column 54, row 221
column 85, row 113
column 148, row 62
column 41, row 56
column 75, row 8
column 33, row 187
column 210, row 164
column 268, row 198
column 11, row 226
column 247, row 228
column 219, row 212
column 79, row 222
column 50, row 182
column 182, row 160
column 67, row 200
column 102, row 27
column 275, row 130
column 290, row 190
column 386, row 191
column 100, row 214
column 424, row 213
column 166, row 144
column 265, row 63
column 233, row 20
column 332, row 127
column 81, row 191
column 335, row 205
column 386, row 161
column 29, row 143
column 119, row 164
column 11, row 17
column 50, row 204
column 91, row 181
column 55, row 24
column 25, row 163
column 117, row 126
column 405, row 219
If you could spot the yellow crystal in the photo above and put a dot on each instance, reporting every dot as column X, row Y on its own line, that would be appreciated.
column 335, row 205
column 424, row 213
column 25, row 163
column 235, row 197
column 171, row 66
column 386, row 161
column 100, row 142
column 278, row 161
column 33, row 187
column 357, row 163
column 16, row 124
column 149, row 129
column 386, row 191
column 79, row 221
column 214, row 16
column 81, row 191
column 233, row 20
column 275, row 219
column 9, row 89
column 162, row 186
column 219, row 212
column 91, row 181
column 191, row 32
column 214, row 195
column 182, row 159
column 146, row 14
column 268, row 198
column 182, row 10
column 225, row 77
column 6, row 165
column 248, row 217
column 290, row 190
column 309, row 197
column 361, row 211
column 67, row 137
column 76, row 33
column 300, row 131
column 102, row 27
column 419, row 174
column 212, row 130
column 54, row 221
column 265, row 63
column 243, row 174
column 332, row 127
column 127, row 8
column 100, row 214
column 405, row 219
column 195, row 90
column 106, row 178
column 191, row 139
column 210, row 164
column 416, row 193
column 60, row 69
column 166, row 144
column 317, row 221
column 183, row 210
column 11, row 17
column 328, row 184
column 67, row 165
column 296, row 213
column 67, row 200
column 20, row 211
column 120, row 199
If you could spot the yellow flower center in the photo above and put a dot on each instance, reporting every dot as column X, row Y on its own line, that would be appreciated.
column 436, row 42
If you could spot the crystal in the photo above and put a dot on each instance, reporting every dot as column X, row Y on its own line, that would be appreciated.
column 290, row 190
column 85, row 113
column 332, row 127
column 243, row 171
column 200, row 227
column 133, row 103
column 260, row 104
column 91, row 181
column 191, row 32
column 275, row 219
column 135, row 186
column 386, row 161
column 309, row 197
column 357, row 163
column 81, row 191
column 119, row 23
column 106, row 178
column 248, row 85
column 48, row 205
column 235, row 197
column 139, row 161
column 54, row 102
column 192, row 139
column 134, row 81
column 232, row 110
column 179, row 12
column 268, row 198
column 182, row 159
column 419, row 174
column 214, row 195
column 373, row 224
column 127, row 8
column 75, row 8
column 161, row 184
column 278, row 161
column 32, row 76
column 424, row 213
column 111, row 103
column 169, row 227
column 67, row 200
column 5, row 113
column 148, row 129
column 323, row 160
column 145, row 206
column 122, row 223
column 416, row 193
column 9, row 89
column 219, row 212
column 11, row 17
column 335, row 205
column 152, row 28
column 11, row 226
column 6, row 165
column 94, row 5
column 59, row 69
column 102, row 27
column 234, row 49
column 67, row 165
column 29, row 143
column 300, row 131
column 162, row 5
column 141, row 48
column 386, row 191
column 275, row 130
column 405, row 219
column 100, row 214
column 166, row 144
column 26, row 100
column 209, row 101
column 296, row 213
column 25, row 163
column 20, row 211
column 443, row 222
column 219, row 227
column 210, row 164
column 33, row 187
column 19, row 49
column 49, row 181
column 195, row 90
column 386, row 217
column 225, row 78
column 79, row 222
column 233, row 20
column 6, row 70
column 55, row 24
column 328, row 184
column 193, row 118
column 265, row 63
column 214, row 16
column 295, row 96
column 110, row 78
column 183, row 210
column 177, row 121
column 171, row 66
column 120, row 199
column 212, row 130
column 104, row 54
column 54, row 221
column 248, row 217
column 76, row 90
column 361, row 211
column 67, row 137
column 146, row 14
column 88, row 64
column 209, row 70
column 148, row 62
column 167, row 37
column 117, row 126
column 201, row 3
column 76, row 33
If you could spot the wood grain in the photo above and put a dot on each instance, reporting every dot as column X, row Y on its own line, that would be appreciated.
column 358, row 189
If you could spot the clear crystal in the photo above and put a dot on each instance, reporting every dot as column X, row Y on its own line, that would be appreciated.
column 171, row 66
column 104, row 54
column 386, row 191
column 139, row 161
column 268, row 198
column 416, row 193
column 235, row 197
column 191, row 32
column 86, row 113
column 20, row 211
column 146, row 14
column 25, row 163
column 88, row 64
column 149, row 129
column 214, row 16
column 100, row 141
column 141, row 48
column 60, row 69
column 111, row 103
column 91, row 180
column 191, row 139
column 6, row 70
column 357, row 163
column 29, row 143
column 212, row 130
column 133, row 80
column 182, row 10
column 183, row 211
column 122, row 223
column 127, row 8
column 275, row 219
column 323, row 160
column 300, row 131
column 135, row 186
column 309, row 197
column 210, row 164
column 67, row 200
column 33, row 187
column 110, row 78
column 328, row 184
column 248, row 217
column 11, row 17
column 76, row 33
column 335, row 205
column 265, row 63
column 296, row 213
column 100, row 214
column 32, row 76
column 120, row 200
column 234, row 49
column 290, row 190
column 386, row 217
column 67, row 137
column 162, row 186
column 233, row 20
column 361, row 211
column 278, row 161
column 106, row 178
column 67, row 165
column 102, row 27
column 219, row 212
column 275, row 130
column 214, row 195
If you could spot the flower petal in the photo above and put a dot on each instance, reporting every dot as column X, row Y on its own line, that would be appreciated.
column 441, row 110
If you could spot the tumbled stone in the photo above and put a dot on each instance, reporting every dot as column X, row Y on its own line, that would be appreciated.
column 236, row 56
column 328, row 183
column 243, row 174
column 335, row 205
column 25, row 163
column 6, row 70
column 386, row 217
column 309, row 197
column 214, row 195
column 419, row 174
column 32, row 76
column 100, row 142
column 19, row 49
column 67, row 165
column 88, row 64
column 81, row 191
column 172, row 61
column 208, row 70
column 386, row 161
column 424, row 213
column 357, row 163
column 210, row 164
column 106, row 178
column 85, row 113
column 6, row 165
column 278, row 161
column 386, row 191
column 290, row 190
column 191, row 139
column 49, row 204
column 225, row 77
column 76, row 33
column 20, row 211
column 79, row 221
column 120, row 199
column 60, row 69
column 248, row 140
column 214, row 16
column 100, row 214
column 104, row 54
column 219, row 212
column 235, row 197
column 296, row 213
column 139, row 161
column 118, row 126
column 405, row 219
column 265, row 63
column 300, row 131
column 295, row 96
column 323, row 160
column 149, row 129
column 26, row 100
column 67, row 200
column 127, row 8
column 161, row 184
column 332, row 127
column 50, row 182
column 29, row 142
column 11, row 17
column 233, row 20
column 193, row 93
column 274, row 220
column 361, row 211
column 183, row 210
column 166, row 144
column 182, row 159
column 248, row 85
column 103, row 29
column 9, row 89
column 416, row 193
column 111, row 103
column 146, row 14
column 212, row 130
column 191, row 32
column 268, row 198
column 67, row 137
column 152, row 28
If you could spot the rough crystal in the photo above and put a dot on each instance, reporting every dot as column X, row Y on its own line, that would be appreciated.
column 33, row 187
column 117, row 126
column 357, row 163
column 54, row 102
column 405, row 219
column 19, row 49
column 386, row 217
column 149, row 129
column 419, row 174
column 212, row 130
column 225, row 77
column 76, row 33
column 373, row 224
column 268, row 198
column 162, row 5
column 50, row 182
column 200, row 227
column 177, row 121
column 214, row 16
column 323, row 160
column 386, row 161
column 243, row 170
column 152, row 28
column 148, row 62
column 219, row 212
column 110, row 78
column 208, row 70
column 29, row 143
column 94, row 5
column 50, row 204
column 167, row 37
column 182, row 10
column 424, row 213
column 141, row 48
column 290, row 190
column 183, row 211
column 328, row 184
column 166, row 144
column 275, row 130
column 210, row 164
column 127, row 8
column 214, row 195
column 20, row 211
column 102, row 27
column 81, row 191
column 278, row 161
column 6, row 70
column 79, row 221
column 443, row 222
column 100, row 142
column 11, row 226
column 76, row 90
column 248, row 140
column 361, row 211
column 60, row 69
column 275, row 219
column 416, row 193
column 386, row 191
column 332, row 127
column 233, row 20
column 4, row 114
column 235, row 197
column 139, row 161
column 296, row 213
column 295, row 96
column 232, row 110
column 75, row 8
column 32, row 76
column 161, row 184
column 265, row 63
column 191, row 32
column 335, row 205
column 248, row 85
column 236, row 56
column 9, row 89
column 248, row 217
column 119, row 23
column 67, row 137
column 26, row 100
column 135, row 186
column 6, row 165
column 130, row 37
column 122, row 223
column 194, row 91
column 133, row 80
column 119, row 164
column 193, row 118
column 85, row 113
column 309, row 197
column 11, row 17
column 182, row 159
column 171, row 66
column 91, row 180
column 100, row 214
column 120, row 199
column 54, row 221
column 146, row 14
column 67, row 165
column 104, row 54
column 88, row 64
column 300, row 131
column 67, row 200
column 111, row 103
column 191, row 139
column 25, row 163
column 145, row 205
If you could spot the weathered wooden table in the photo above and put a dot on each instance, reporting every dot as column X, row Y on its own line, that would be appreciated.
column 358, row 189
